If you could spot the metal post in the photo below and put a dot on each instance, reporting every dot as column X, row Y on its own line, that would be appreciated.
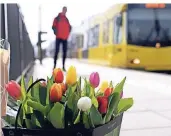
column 40, row 41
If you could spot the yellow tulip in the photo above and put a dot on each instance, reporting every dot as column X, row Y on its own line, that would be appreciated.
column 104, row 85
column 71, row 76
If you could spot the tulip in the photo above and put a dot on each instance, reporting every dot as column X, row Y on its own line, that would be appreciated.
column 58, row 75
column 84, row 103
column 55, row 93
column 94, row 79
column 64, row 87
column 104, row 85
column 43, row 84
column 108, row 91
column 14, row 90
column 103, row 104
column 71, row 76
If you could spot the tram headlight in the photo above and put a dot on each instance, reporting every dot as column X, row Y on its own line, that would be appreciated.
column 135, row 61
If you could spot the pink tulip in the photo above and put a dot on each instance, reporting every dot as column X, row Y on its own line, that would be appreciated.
column 14, row 89
column 94, row 79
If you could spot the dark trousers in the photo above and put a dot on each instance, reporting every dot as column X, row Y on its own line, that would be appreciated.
column 64, row 47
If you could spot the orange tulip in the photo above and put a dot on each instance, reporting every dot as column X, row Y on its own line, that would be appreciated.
column 55, row 93
column 64, row 87
column 108, row 91
column 58, row 75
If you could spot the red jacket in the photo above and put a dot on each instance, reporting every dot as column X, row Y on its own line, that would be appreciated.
column 61, row 27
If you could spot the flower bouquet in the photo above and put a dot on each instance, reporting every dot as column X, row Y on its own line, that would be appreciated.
column 74, row 107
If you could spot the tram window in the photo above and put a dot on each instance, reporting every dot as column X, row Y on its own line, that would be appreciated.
column 117, row 32
column 96, row 35
column 93, row 36
column 106, row 32
column 156, row 23
column 90, row 37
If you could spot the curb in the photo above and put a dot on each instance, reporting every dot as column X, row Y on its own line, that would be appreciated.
column 25, row 71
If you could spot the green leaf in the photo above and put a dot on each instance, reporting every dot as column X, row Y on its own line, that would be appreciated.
column 99, row 94
column 95, row 116
column 86, row 120
column 49, row 84
column 52, row 79
column 79, row 82
column 77, row 120
column 71, row 90
column 94, row 101
column 35, row 121
column 32, row 98
column 40, row 120
column 71, row 100
column 119, row 87
column 63, row 99
column 23, row 87
column 74, row 87
column 43, row 95
column 28, row 123
column 36, row 106
column 111, row 84
column 35, row 92
column 87, row 90
column 48, row 108
column 21, row 116
column 56, row 115
column 29, row 109
column 112, row 106
column 124, row 105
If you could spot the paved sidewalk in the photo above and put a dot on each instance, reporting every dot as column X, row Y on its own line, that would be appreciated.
column 151, row 113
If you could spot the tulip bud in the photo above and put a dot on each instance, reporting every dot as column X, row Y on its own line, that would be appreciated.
column 58, row 75
column 103, row 104
column 94, row 79
column 108, row 92
column 71, row 76
column 84, row 103
column 14, row 90
column 55, row 93
column 64, row 87
column 44, row 84
column 104, row 85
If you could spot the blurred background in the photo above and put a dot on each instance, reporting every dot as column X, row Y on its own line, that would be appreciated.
column 117, row 40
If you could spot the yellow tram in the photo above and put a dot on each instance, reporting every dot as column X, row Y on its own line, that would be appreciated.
column 131, row 36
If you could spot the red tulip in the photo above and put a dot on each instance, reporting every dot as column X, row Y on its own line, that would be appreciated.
column 55, row 93
column 108, row 91
column 103, row 104
column 58, row 75
column 14, row 90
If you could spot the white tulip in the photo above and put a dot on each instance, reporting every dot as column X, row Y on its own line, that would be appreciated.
column 84, row 103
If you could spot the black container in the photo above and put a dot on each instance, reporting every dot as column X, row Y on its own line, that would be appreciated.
column 110, row 129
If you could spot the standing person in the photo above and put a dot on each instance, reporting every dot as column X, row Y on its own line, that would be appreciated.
column 61, row 28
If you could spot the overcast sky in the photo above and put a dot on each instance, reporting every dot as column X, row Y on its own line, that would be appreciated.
column 77, row 11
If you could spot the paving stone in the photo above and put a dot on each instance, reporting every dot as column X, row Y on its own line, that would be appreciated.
column 148, row 132
column 142, row 120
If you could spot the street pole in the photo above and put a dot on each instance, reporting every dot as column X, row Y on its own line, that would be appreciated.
column 40, row 41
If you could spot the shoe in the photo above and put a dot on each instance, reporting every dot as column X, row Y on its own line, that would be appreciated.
column 64, row 69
